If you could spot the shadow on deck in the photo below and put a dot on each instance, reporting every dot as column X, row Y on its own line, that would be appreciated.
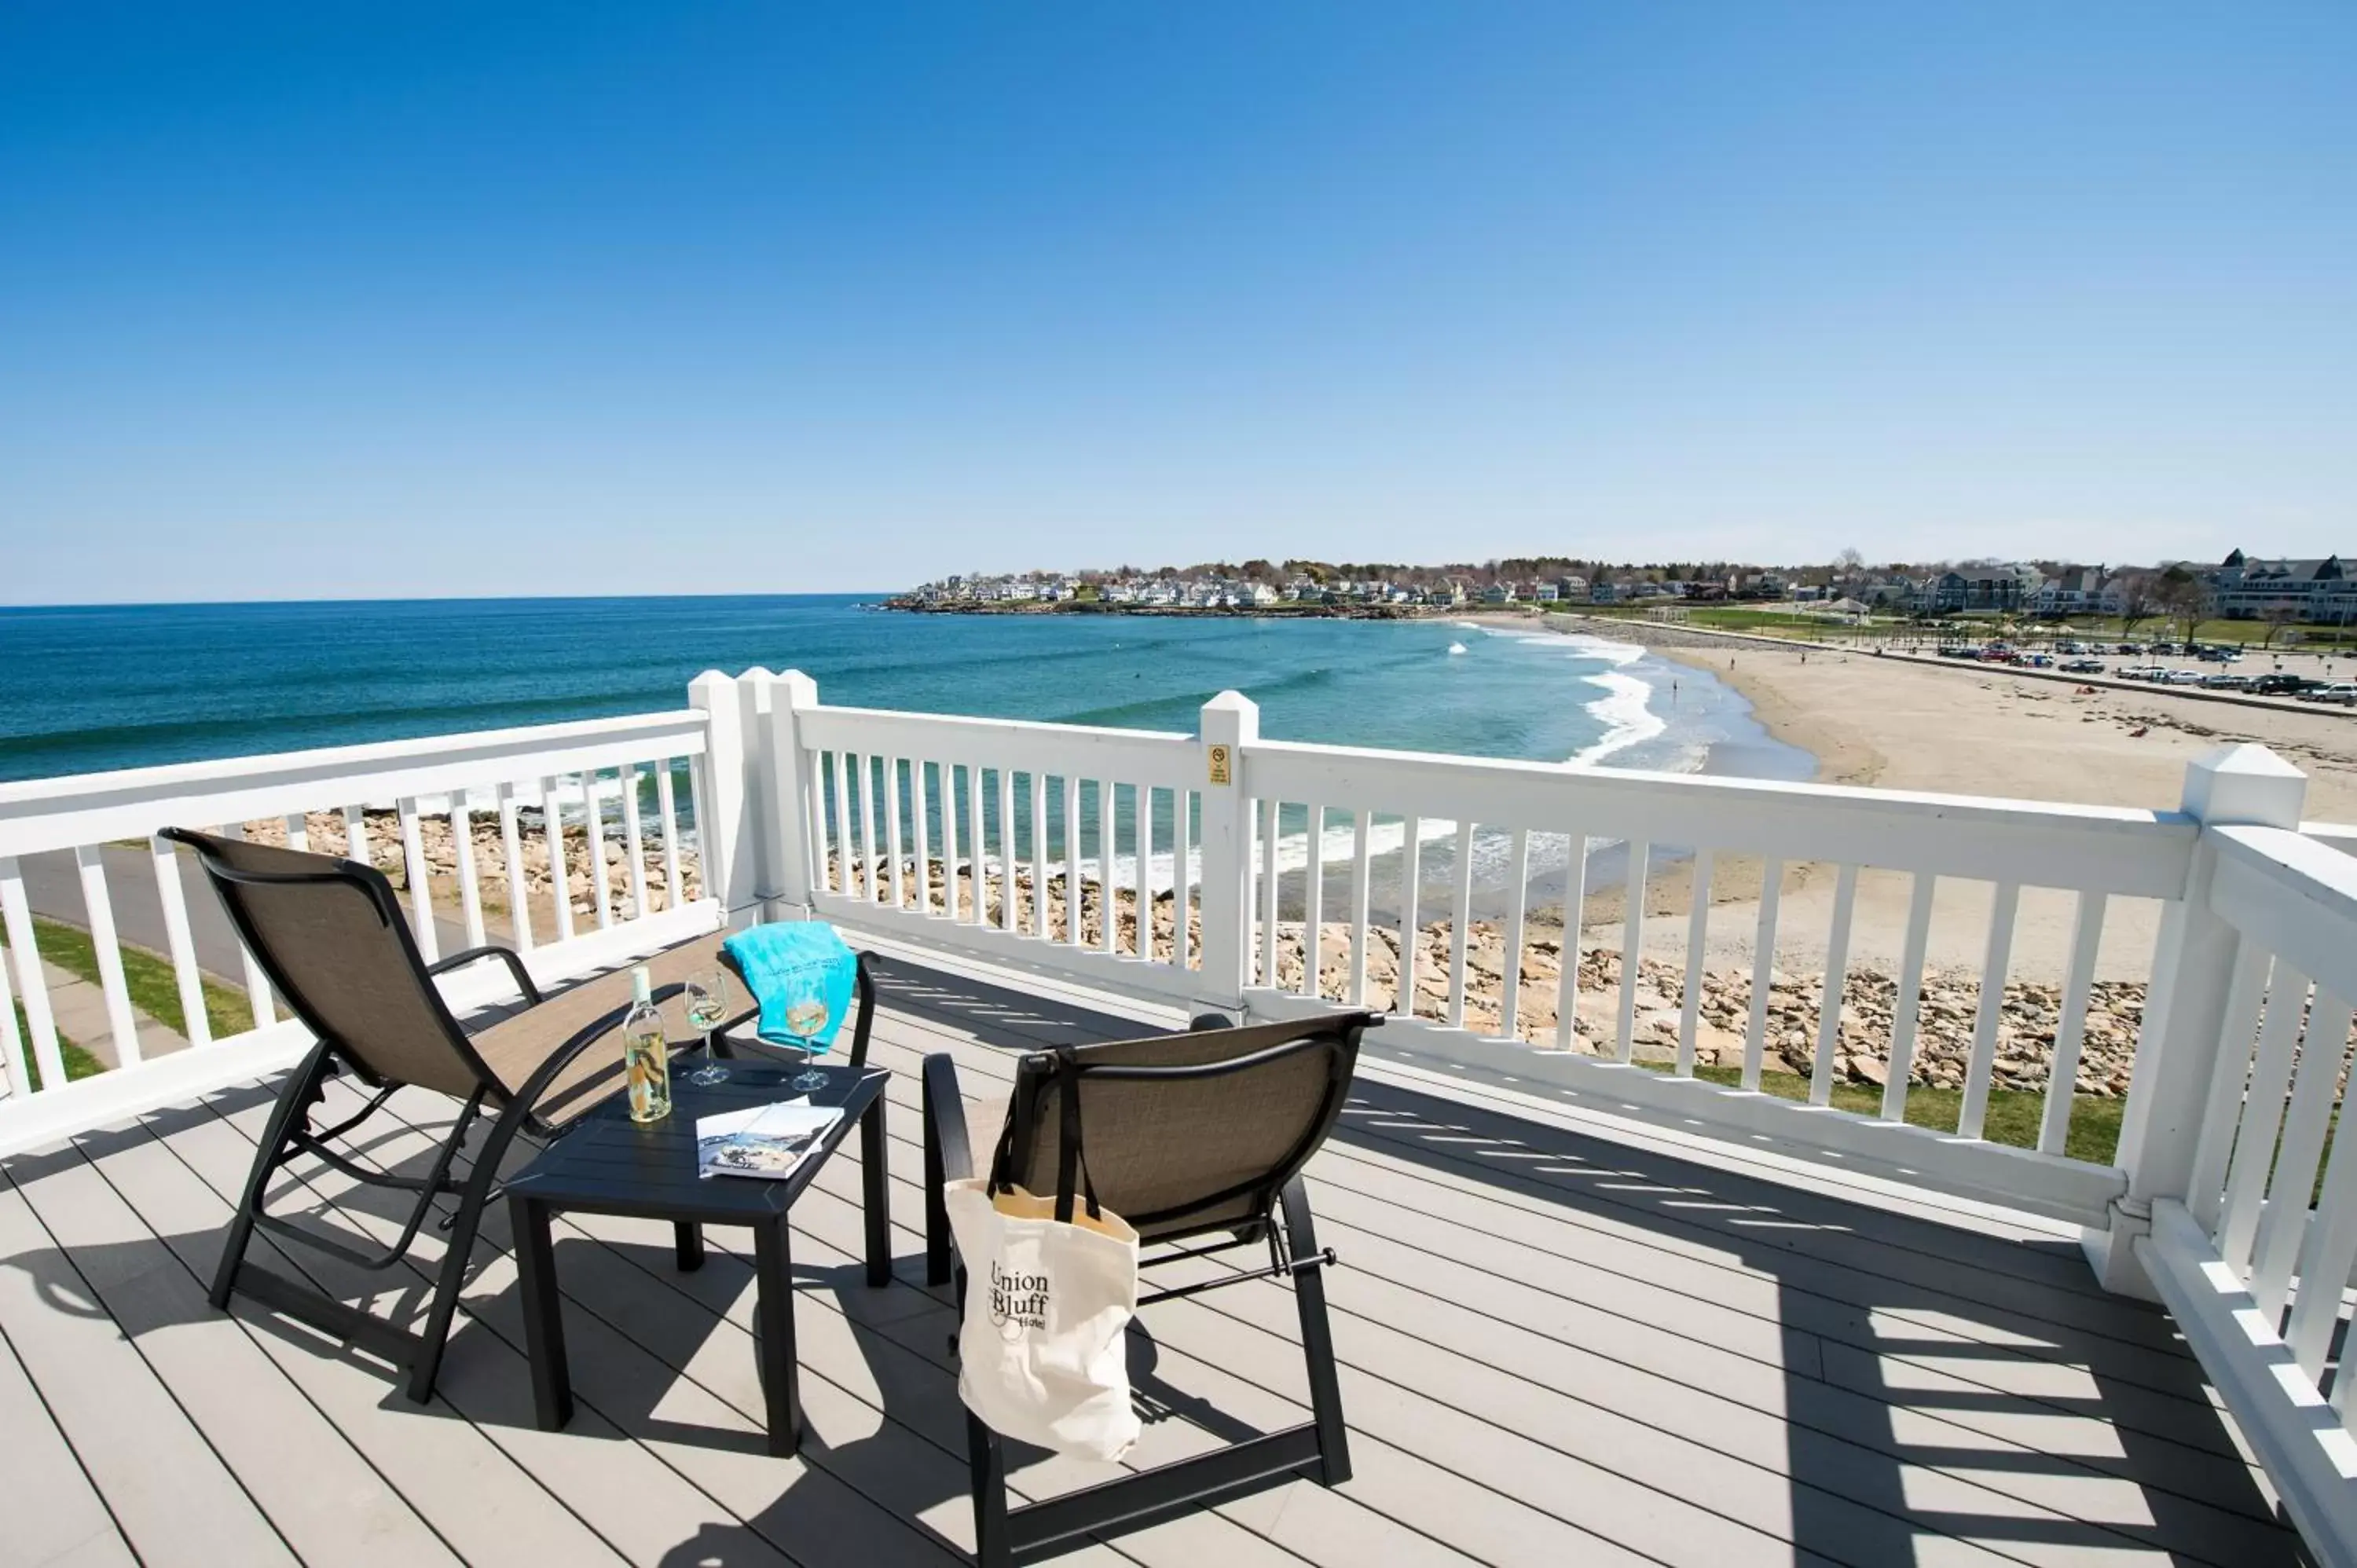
column 1555, row 1349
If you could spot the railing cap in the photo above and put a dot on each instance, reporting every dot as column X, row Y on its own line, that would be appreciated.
column 2244, row 784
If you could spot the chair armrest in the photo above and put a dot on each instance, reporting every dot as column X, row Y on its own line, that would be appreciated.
column 527, row 1097
column 948, row 1158
column 508, row 956
column 945, row 1121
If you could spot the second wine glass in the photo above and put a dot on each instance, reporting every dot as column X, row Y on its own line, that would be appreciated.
column 807, row 1014
column 707, row 1008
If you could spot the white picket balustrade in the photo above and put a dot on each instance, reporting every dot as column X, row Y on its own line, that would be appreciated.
column 1007, row 824
column 1498, row 808
column 2254, row 1255
column 75, row 829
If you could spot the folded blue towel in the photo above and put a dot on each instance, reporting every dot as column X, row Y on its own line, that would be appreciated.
column 776, row 961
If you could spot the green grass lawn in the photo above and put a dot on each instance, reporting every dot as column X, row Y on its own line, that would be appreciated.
column 2012, row 1117
column 147, row 976
column 78, row 1063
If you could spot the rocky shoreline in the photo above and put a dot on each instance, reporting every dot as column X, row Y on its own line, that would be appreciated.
column 1947, row 1016
column 325, row 832
column 1946, row 1021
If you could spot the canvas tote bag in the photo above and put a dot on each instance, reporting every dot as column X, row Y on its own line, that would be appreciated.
column 1050, row 1288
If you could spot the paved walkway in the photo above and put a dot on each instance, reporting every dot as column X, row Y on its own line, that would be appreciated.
column 79, row 1008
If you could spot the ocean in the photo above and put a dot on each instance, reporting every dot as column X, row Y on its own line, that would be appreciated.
column 98, row 688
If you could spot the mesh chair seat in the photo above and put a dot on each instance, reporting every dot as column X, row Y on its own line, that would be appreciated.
column 514, row 1047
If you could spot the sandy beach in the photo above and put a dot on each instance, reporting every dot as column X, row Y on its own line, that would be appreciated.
column 1898, row 723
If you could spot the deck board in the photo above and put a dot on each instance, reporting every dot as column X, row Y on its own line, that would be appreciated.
column 72, row 1525
column 254, row 1396
column 1840, row 1458
column 1555, row 1347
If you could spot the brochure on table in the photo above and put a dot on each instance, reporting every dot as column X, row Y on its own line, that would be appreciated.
column 768, row 1142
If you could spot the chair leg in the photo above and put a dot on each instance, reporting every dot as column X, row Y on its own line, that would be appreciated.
column 1317, row 1338
column 480, row 1179
column 295, row 1103
column 986, row 1458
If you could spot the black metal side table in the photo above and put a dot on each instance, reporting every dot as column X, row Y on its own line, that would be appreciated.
column 611, row 1165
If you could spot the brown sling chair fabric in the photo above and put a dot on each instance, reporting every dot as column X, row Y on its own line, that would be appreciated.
column 337, row 947
column 1195, row 1136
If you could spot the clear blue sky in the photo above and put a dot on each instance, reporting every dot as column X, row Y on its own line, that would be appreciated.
column 325, row 299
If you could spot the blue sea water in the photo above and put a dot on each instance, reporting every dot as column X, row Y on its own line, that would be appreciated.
column 95, row 689
column 89, row 689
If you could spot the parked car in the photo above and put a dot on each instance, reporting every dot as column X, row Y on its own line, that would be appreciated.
column 2226, row 681
column 2036, row 661
column 2129, row 648
column 2343, row 692
column 2281, row 685
column 2082, row 667
column 2164, row 648
column 2177, row 677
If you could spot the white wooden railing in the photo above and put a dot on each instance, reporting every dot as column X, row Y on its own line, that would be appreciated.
column 603, row 779
column 2253, row 1252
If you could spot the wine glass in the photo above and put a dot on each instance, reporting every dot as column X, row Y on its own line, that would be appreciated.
column 707, row 1008
column 807, row 1014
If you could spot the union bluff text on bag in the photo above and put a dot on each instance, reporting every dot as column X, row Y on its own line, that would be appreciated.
column 1041, row 1353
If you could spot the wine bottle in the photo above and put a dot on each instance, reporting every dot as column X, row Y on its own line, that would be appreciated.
column 645, row 1059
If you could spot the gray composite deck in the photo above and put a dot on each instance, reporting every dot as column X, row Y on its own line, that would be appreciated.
column 1557, row 1350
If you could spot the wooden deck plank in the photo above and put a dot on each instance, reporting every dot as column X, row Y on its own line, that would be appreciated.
column 797, row 1510
column 1696, row 1470
column 1680, row 1527
column 479, row 1500
column 171, row 1497
column 1554, row 1348
column 1729, row 1218
column 1750, row 1230
column 638, row 1506
column 1434, row 1498
column 318, row 1490
column 915, row 1370
column 2012, row 1469
column 70, row 1524
column 1832, row 1301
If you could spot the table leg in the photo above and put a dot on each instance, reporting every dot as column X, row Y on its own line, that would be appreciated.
column 543, row 1324
column 774, row 1320
column 687, row 1244
column 876, row 1196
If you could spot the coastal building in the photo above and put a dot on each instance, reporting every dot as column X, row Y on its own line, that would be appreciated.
column 1983, row 585
column 2081, row 590
column 2320, row 591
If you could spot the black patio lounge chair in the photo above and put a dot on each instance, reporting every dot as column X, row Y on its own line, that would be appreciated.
column 1199, row 1137
column 337, row 947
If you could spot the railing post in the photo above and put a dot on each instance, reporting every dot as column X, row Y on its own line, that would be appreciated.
column 759, row 846
column 783, row 763
column 2185, row 1007
column 731, row 867
column 1230, row 724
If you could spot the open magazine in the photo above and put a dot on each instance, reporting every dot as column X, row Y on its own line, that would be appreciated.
column 768, row 1141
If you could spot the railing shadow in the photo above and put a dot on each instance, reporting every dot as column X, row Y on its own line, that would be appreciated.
column 1857, row 1384
column 1903, row 1352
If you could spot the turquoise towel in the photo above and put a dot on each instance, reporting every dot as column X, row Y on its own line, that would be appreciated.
column 772, row 957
